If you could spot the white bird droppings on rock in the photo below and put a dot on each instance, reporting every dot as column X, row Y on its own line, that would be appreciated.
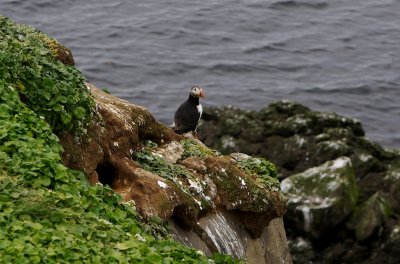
column 242, row 182
column 195, row 186
column 341, row 163
column 162, row 184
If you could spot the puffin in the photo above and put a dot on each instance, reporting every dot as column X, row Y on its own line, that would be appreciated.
column 189, row 113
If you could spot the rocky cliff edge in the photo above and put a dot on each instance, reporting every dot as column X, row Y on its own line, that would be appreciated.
column 178, row 179
column 49, row 213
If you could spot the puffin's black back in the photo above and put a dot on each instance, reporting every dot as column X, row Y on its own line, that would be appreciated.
column 187, row 116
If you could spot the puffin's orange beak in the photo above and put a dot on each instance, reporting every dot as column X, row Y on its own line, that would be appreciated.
column 202, row 94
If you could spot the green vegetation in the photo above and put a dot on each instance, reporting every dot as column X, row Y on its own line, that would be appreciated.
column 263, row 169
column 49, row 213
column 157, row 165
column 176, row 173
column 194, row 149
column 51, row 89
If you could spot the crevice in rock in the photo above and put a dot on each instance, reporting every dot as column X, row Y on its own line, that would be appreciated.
column 184, row 216
column 107, row 173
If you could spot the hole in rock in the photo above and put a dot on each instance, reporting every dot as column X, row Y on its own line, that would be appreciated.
column 182, row 215
column 107, row 173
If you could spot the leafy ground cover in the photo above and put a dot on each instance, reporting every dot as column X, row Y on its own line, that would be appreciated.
column 49, row 213
column 52, row 89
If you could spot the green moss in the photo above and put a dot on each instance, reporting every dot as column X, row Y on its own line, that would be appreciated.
column 51, row 89
column 238, row 189
column 263, row 169
column 157, row 165
column 175, row 173
column 194, row 149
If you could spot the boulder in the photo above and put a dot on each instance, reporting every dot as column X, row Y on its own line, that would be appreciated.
column 320, row 198
column 369, row 216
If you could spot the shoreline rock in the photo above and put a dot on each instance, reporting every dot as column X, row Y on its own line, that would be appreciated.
column 301, row 143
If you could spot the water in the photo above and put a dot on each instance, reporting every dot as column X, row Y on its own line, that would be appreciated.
column 336, row 55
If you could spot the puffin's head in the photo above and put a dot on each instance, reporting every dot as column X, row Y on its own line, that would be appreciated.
column 197, row 92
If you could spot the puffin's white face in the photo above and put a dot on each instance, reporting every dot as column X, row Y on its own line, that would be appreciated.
column 197, row 92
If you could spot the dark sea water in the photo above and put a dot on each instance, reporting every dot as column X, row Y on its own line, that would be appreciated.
column 334, row 55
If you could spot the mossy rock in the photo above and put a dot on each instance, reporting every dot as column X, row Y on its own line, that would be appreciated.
column 289, row 134
column 369, row 216
column 297, row 139
column 255, row 201
column 322, row 197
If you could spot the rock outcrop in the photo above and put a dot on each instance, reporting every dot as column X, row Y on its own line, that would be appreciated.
column 321, row 197
column 342, row 188
column 215, row 203
column 51, row 213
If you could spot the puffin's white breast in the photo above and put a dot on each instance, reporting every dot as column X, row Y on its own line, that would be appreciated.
column 200, row 109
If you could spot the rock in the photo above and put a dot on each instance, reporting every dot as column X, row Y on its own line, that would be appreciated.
column 302, row 250
column 388, row 250
column 222, row 232
column 240, row 193
column 59, row 51
column 64, row 55
column 369, row 216
column 112, row 139
column 322, row 197
column 171, row 152
column 275, row 243
column 297, row 139
column 180, row 180
column 293, row 137
column 391, row 182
